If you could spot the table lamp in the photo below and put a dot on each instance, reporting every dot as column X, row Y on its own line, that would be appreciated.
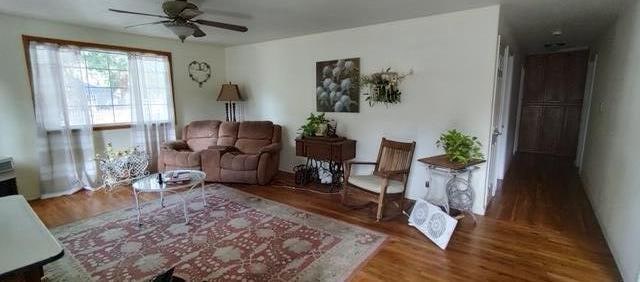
column 230, row 94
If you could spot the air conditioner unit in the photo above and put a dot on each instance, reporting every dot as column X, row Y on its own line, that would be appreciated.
column 7, row 177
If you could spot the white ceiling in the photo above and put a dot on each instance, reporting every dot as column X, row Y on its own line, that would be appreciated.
column 581, row 21
column 531, row 20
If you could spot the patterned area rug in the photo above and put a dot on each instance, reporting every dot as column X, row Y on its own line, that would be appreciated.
column 237, row 236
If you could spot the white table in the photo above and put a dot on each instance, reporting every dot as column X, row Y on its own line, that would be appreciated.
column 25, row 242
column 150, row 184
column 457, row 192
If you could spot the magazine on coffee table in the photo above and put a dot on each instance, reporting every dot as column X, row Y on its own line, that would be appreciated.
column 180, row 177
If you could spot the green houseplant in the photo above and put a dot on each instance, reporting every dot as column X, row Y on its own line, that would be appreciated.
column 316, row 125
column 459, row 147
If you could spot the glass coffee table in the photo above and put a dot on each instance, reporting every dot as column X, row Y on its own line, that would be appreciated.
column 149, row 184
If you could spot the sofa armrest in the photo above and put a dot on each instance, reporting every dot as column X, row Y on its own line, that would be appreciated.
column 175, row 145
column 271, row 148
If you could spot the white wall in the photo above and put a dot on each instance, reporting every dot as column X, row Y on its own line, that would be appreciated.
column 452, row 56
column 612, row 158
column 17, row 122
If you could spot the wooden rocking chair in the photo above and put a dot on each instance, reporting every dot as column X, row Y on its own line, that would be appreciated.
column 388, row 182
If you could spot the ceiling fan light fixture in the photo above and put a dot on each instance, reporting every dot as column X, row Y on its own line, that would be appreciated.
column 180, row 19
column 182, row 30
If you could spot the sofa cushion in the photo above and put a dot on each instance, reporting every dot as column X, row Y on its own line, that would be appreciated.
column 201, row 129
column 199, row 135
column 251, row 146
column 228, row 133
column 240, row 162
column 199, row 144
column 253, row 135
column 178, row 159
column 256, row 130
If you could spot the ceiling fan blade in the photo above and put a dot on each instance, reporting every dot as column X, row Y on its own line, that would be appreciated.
column 227, row 14
column 136, row 25
column 198, row 32
column 223, row 25
column 136, row 13
column 189, row 13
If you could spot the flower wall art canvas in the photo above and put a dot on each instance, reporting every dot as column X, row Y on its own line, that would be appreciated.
column 338, row 86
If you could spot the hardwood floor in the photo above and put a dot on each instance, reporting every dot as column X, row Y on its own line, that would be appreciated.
column 539, row 228
column 545, row 191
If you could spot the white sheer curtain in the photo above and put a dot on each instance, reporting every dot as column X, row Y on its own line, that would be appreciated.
column 65, row 139
column 151, row 94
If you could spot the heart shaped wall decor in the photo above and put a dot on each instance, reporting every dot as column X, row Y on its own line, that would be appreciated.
column 199, row 72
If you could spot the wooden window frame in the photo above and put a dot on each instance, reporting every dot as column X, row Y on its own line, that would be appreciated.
column 27, row 39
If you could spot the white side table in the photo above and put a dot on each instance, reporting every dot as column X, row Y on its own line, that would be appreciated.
column 458, row 192
column 150, row 184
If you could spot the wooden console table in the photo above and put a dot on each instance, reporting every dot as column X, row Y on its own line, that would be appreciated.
column 332, row 150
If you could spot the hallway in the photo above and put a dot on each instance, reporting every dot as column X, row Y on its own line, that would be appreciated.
column 545, row 193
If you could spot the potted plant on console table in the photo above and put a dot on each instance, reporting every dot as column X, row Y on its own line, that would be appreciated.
column 317, row 125
column 460, row 149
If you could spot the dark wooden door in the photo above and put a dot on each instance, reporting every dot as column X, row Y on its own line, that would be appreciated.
column 552, row 103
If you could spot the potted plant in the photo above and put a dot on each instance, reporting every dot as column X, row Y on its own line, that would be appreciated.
column 459, row 147
column 316, row 125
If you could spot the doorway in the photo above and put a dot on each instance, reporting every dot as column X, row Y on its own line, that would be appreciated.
column 497, row 157
column 552, row 103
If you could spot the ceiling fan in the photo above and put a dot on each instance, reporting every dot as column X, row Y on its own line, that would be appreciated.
column 180, row 19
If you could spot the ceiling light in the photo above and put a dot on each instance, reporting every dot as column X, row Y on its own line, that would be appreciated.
column 182, row 30
column 556, row 32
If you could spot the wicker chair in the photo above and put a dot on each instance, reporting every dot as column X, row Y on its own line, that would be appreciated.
column 388, row 182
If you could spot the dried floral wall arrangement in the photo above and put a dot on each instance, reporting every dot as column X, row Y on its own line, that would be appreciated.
column 383, row 87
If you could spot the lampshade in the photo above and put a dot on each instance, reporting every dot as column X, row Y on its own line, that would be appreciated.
column 182, row 30
column 229, row 93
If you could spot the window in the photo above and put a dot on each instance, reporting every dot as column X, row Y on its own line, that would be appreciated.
column 108, row 83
